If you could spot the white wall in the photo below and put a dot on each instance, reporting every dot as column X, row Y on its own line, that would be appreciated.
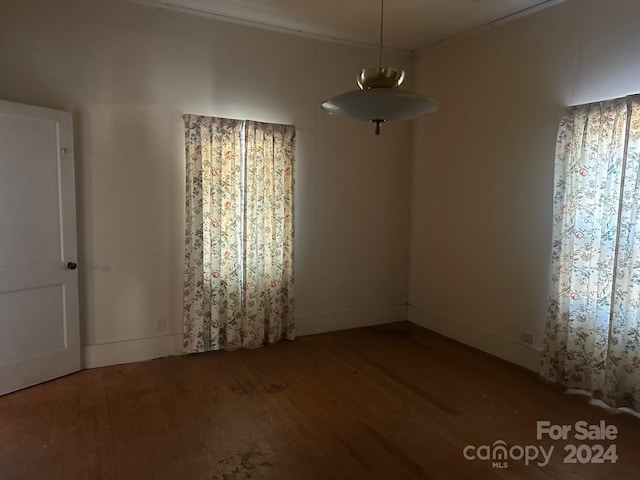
column 128, row 72
column 482, row 177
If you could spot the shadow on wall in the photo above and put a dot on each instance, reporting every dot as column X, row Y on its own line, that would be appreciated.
column 131, row 200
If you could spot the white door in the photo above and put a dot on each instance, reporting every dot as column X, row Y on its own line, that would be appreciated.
column 39, row 334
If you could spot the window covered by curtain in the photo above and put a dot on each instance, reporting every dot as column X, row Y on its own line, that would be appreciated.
column 238, row 285
column 592, row 333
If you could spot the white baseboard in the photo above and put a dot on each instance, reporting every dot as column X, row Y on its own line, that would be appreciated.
column 506, row 348
column 330, row 322
column 129, row 351
column 138, row 350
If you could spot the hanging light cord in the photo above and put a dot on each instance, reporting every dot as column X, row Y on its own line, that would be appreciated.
column 381, row 30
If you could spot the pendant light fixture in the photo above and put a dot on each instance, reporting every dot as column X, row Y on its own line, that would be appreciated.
column 379, row 100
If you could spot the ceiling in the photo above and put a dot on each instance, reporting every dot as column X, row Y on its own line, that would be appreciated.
column 408, row 24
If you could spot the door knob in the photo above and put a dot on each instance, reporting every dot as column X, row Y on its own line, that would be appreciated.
column 72, row 266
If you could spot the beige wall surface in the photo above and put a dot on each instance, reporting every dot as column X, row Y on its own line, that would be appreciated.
column 128, row 72
column 482, row 177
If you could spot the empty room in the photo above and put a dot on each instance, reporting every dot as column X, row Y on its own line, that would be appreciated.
column 356, row 239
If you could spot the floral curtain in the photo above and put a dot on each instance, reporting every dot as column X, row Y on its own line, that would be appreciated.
column 592, row 337
column 238, row 284
column 268, row 253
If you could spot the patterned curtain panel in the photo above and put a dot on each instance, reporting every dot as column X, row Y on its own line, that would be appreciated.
column 238, row 284
column 268, row 252
column 593, row 327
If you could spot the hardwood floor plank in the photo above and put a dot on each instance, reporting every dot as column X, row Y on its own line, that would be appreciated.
column 386, row 402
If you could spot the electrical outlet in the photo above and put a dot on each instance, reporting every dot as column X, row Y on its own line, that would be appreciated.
column 162, row 323
column 526, row 338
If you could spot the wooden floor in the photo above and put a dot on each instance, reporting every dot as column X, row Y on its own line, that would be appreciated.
column 388, row 402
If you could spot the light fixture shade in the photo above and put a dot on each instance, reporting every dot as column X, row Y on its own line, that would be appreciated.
column 380, row 105
column 379, row 100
